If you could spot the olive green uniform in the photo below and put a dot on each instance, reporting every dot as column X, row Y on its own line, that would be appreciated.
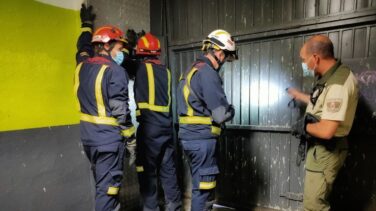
column 335, row 98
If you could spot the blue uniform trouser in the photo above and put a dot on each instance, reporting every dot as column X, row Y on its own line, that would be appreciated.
column 203, row 163
column 156, row 155
column 107, row 166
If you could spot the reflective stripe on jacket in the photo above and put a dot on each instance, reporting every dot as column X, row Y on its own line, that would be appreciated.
column 153, row 94
column 199, row 93
column 101, row 87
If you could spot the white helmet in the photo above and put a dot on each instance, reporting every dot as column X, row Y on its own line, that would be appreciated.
column 221, row 40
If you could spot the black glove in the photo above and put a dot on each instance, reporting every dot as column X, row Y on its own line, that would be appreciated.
column 131, row 150
column 299, row 128
column 231, row 109
column 309, row 118
column 87, row 17
column 140, row 34
column 132, row 38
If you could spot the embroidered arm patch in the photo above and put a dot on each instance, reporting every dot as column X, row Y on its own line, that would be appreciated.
column 334, row 105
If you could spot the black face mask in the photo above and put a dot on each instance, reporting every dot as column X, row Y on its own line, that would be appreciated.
column 220, row 64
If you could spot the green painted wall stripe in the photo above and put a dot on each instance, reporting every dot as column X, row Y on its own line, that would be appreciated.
column 37, row 63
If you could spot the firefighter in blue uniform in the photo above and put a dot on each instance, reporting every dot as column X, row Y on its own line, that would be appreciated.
column 101, row 86
column 155, row 146
column 202, row 109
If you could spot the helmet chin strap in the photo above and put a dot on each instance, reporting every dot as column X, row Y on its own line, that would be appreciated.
column 216, row 59
column 109, row 50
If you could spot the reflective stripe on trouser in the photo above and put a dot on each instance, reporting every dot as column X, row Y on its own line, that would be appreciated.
column 318, row 182
column 156, row 153
column 203, row 163
column 107, row 167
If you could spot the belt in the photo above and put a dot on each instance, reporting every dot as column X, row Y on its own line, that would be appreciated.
column 330, row 144
column 200, row 120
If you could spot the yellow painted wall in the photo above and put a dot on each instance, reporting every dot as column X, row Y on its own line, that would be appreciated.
column 37, row 62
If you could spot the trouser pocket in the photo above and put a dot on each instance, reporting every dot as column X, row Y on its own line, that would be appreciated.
column 315, row 191
column 208, row 177
column 114, row 185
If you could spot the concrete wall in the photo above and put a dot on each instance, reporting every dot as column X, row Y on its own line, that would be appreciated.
column 42, row 163
column 37, row 64
column 126, row 14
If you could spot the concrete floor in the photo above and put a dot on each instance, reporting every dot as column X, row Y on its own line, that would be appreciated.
column 219, row 208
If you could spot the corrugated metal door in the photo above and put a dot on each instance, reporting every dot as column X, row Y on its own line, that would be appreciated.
column 258, row 154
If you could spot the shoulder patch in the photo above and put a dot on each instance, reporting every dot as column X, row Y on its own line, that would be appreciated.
column 334, row 105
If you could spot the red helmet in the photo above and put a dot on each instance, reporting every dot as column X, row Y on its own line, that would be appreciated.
column 148, row 45
column 106, row 33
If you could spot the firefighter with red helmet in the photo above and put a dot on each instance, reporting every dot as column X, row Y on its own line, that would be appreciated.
column 155, row 146
column 101, row 86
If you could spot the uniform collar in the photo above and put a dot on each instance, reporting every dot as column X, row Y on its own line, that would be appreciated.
column 100, row 58
column 323, row 79
column 108, row 57
column 204, row 59
column 152, row 60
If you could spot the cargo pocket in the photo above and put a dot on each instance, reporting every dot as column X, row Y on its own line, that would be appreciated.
column 191, row 147
column 208, row 177
column 315, row 190
column 108, row 148
column 114, row 187
column 333, row 165
column 317, row 157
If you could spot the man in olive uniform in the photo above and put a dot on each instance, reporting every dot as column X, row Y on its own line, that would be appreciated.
column 332, row 104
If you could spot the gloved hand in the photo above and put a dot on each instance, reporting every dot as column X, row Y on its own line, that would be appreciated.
column 299, row 128
column 87, row 16
column 309, row 118
column 132, row 38
column 140, row 34
column 231, row 109
column 131, row 150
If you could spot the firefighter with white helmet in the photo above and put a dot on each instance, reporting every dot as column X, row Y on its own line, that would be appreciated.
column 203, row 109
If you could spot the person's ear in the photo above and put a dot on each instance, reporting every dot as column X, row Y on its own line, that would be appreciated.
column 316, row 58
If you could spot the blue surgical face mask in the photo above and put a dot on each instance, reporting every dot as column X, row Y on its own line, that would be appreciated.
column 306, row 71
column 119, row 57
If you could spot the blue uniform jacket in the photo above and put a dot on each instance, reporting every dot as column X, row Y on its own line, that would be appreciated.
column 102, row 95
column 152, row 91
column 200, row 91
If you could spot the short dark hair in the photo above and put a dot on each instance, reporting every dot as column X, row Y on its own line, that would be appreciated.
column 320, row 45
column 98, row 47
